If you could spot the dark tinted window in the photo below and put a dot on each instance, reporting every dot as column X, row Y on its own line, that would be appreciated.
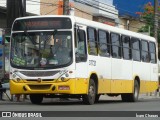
column 135, row 49
column 116, row 46
column 126, row 47
column 152, row 51
column 103, row 43
column 144, row 51
column 92, row 42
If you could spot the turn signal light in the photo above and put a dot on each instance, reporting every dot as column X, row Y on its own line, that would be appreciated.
column 18, row 79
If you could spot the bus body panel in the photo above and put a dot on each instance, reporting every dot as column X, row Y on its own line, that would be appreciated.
column 122, row 81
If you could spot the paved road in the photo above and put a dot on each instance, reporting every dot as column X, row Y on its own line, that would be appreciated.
column 105, row 104
column 145, row 103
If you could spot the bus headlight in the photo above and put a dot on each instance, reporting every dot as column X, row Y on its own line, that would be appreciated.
column 67, row 75
column 16, row 77
column 62, row 78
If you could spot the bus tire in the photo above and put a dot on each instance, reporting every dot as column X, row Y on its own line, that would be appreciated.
column 36, row 98
column 132, row 97
column 90, row 97
column 97, row 98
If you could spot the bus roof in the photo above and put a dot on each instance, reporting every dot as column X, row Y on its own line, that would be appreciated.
column 98, row 25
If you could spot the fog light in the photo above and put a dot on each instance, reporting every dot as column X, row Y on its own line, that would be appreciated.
column 63, row 88
column 53, row 88
column 24, row 88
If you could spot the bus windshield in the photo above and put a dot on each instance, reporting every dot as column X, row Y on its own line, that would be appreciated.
column 44, row 49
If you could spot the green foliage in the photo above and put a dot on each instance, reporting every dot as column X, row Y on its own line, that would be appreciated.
column 148, row 17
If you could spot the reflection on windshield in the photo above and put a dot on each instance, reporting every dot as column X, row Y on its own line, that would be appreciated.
column 41, row 49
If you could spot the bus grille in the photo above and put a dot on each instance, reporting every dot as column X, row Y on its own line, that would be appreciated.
column 30, row 80
column 39, row 87
column 38, row 73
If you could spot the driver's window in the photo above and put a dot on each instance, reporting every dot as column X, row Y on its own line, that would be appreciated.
column 81, row 45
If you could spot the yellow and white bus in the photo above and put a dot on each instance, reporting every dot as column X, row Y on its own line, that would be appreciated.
column 67, row 56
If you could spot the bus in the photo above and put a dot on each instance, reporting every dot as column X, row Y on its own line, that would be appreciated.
column 71, row 57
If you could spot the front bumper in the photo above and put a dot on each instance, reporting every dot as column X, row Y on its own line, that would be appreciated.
column 72, row 86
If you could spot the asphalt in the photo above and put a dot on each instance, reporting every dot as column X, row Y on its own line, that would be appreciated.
column 7, row 97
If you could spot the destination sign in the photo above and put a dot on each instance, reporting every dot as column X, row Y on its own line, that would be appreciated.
column 42, row 24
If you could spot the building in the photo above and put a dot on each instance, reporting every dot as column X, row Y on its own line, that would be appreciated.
column 130, row 23
column 97, row 10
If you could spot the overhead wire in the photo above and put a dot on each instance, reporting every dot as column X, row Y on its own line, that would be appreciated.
column 51, row 11
column 94, row 5
column 108, row 11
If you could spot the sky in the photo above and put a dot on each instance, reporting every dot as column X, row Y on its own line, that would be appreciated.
column 130, row 7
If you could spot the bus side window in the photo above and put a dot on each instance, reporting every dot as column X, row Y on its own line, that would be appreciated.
column 116, row 45
column 152, row 51
column 81, row 52
column 92, row 41
column 145, row 51
column 127, row 55
column 103, row 46
column 136, row 49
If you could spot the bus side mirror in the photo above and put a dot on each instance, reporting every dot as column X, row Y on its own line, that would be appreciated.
column 5, row 39
column 1, row 40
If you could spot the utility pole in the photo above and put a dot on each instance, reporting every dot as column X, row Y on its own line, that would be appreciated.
column 156, row 19
column 65, row 7
column 23, row 8
column 15, row 9
column 156, row 27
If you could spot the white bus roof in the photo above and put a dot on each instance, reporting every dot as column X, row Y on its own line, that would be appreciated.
column 98, row 25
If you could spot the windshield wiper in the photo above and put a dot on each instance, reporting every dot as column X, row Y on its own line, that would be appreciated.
column 55, row 32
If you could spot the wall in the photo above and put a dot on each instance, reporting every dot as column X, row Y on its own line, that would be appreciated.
column 33, row 7
column 134, row 24
column 49, row 9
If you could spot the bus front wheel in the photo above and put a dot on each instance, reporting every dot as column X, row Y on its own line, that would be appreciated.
column 90, row 97
column 36, row 98
column 132, row 97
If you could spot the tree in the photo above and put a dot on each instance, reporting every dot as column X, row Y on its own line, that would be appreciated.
column 148, row 17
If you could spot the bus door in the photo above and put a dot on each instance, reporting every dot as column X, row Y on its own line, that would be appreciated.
column 80, row 52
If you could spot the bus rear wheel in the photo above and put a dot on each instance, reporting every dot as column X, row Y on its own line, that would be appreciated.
column 132, row 97
column 90, row 97
column 36, row 98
